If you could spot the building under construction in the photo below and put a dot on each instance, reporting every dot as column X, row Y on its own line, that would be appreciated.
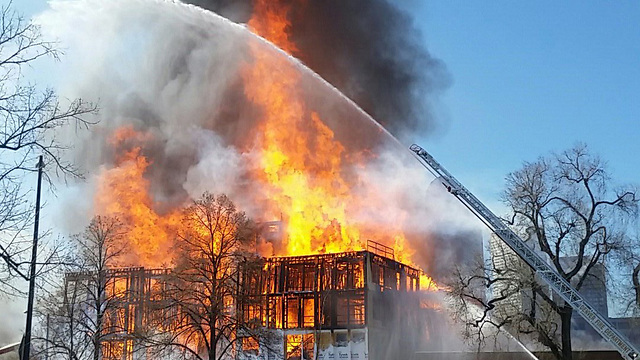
column 351, row 305
column 130, row 297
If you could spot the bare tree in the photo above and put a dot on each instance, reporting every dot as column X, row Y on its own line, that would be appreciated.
column 566, row 207
column 636, row 283
column 30, row 118
column 82, row 311
column 501, row 293
column 627, row 261
column 204, row 286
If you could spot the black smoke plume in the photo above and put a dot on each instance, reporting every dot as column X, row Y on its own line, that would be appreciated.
column 369, row 49
column 176, row 75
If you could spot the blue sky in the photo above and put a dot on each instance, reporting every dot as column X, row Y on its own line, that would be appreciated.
column 528, row 78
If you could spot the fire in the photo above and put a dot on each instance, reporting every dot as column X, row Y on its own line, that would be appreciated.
column 270, row 21
column 427, row 283
column 299, row 167
column 300, row 161
column 123, row 192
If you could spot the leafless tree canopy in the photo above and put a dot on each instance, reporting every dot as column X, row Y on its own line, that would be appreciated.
column 627, row 260
column 29, row 118
column 204, row 285
column 82, row 310
column 565, row 206
column 190, row 311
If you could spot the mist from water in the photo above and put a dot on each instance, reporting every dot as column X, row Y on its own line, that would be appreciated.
column 173, row 72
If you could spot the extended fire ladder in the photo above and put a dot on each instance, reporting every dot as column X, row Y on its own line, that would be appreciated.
column 541, row 267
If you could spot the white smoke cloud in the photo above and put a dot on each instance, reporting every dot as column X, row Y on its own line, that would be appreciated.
column 172, row 72
column 217, row 168
column 13, row 320
column 160, row 67
column 441, row 231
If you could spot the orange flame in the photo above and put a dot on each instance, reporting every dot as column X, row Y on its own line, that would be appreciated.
column 300, row 159
column 124, row 192
column 299, row 165
column 308, row 189
column 270, row 21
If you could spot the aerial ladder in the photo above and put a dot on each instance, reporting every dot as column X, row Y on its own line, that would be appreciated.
column 559, row 284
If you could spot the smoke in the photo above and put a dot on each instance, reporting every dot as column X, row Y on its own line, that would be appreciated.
column 173, row 74
column 441, row 231
column 13, row 321
column 170, row 76
column 369, row 49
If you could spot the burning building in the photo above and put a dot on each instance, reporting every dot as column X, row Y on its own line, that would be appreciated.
column 224, row 108
column 333, row 306
column 221, row 109
column 119, row 303
column 355, row 305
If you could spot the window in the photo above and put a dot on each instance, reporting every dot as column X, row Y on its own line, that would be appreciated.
column 129, row 349
column 389, row 278
column 117, row 287
column 294, row 278
column 376, row 274
column 156, row 289
column 271, row 285
column 275, row 312
column 341, row 276
column 341, row 338
column 253, row 314
column 356, row 311
column 294, row 347
column 250, row 345
column 307, row 346
column 112, row 350
column 325, row 310
column 131, row 319
column 309, row 278
column 357, row 336
column 358, row 276
column 325, row 283
column 308, row 311
column 342, row 312
column 293, row 307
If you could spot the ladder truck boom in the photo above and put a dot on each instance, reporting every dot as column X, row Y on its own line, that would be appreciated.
column 559, row 284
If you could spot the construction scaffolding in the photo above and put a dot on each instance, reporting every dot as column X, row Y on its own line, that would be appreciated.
column 325, row 291
column 344, row 301
column 328, row 305
column 133, row 297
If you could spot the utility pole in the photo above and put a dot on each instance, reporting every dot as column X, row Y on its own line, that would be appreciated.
column 26, row 349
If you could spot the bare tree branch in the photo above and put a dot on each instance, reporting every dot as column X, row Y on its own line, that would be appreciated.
column 30, row 120
column 566, row 205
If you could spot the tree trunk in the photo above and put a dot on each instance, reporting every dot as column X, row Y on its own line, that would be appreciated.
column 565, row 317
column 636, row 284
column 213, row 310
column 212, row 343
column 96, row 339
column 97, row 336
column 99, row 303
